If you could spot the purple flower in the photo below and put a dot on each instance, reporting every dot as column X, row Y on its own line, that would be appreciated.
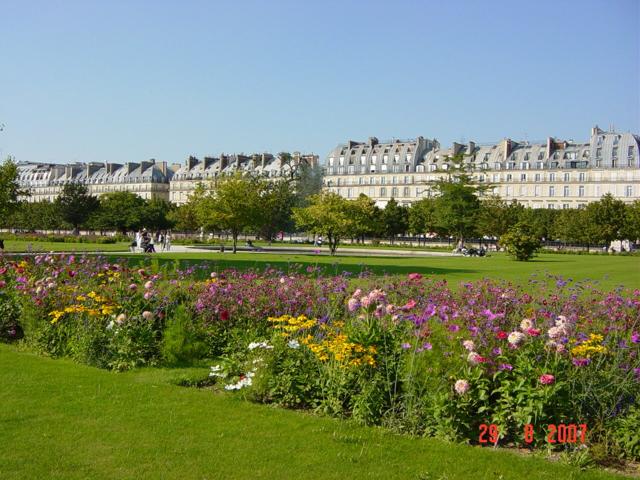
column 497, row 351
column 426, row 346
column 406, row 346
column 635, row 337
column 581, row 362
column 453, row 328
column 505, row 367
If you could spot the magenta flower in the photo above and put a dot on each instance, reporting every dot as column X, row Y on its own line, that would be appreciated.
column 505, row 367
column 415, row 276
column 635, row 337
column 581, row 362
column 547, row 379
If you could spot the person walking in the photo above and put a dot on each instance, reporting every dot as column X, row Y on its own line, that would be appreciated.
column 167, row 242
column 138, row 240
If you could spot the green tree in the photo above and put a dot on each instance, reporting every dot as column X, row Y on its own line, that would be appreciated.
column 231, row 204
column 497, row 216
column 327, row 214
column 631, row 229
column 608, row 215
column 75, row 205
column 541, row 221
column 35, row 216
column 366, row 217
column 275, row 214
column 184, row 218
column 521, row 242
column 155, row 215
column 122, row 211
column 9, row 188
column 422, row 217
column 395, row 219
column 308, row 182
column 457, row 201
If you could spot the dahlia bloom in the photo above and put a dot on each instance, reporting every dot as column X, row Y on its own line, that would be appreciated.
column 461, row 387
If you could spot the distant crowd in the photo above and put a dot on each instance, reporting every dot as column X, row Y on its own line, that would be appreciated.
column 146, row 241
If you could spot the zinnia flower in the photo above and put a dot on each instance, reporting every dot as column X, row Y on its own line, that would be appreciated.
column 469, row 345
column 148, row 285
column 353, row 304
column 147, row 315
column 415, row 276
column 461, row 387
column 547, row 379
column 501, row 335
column 515, row 338
column 534, row 332
column 526, row 324
column 475, row 358
column 635, row 337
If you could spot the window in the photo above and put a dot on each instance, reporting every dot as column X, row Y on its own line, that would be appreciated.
column 394, row 192
column 383, row 192
column 599, row 152
column 408, row 158
column 581, row 191
column 537, row 177
column 523, row 177
column 630, row 152
column 341, row 160
column 581, row 177
column 565, row 191
column 432, row 167
column 394, row 180
column 349, row 192
column 551, row 206
column 385, row 158
column 614, row 153
column 350, row 169
column 524, row 165
column 616, row 139
column 383, row 167
column 539, row 165
column 536, row 191
column 508, row 192
column 360, row 180
column 552, row 191
column 372, row 168
column 372, row 192
column 374, row 158
column 331, row 159
column 396, row 158
column 552, row 177
column 541, row 155
column 509, row 177
column 511, row 165
column 628, row 191
column 565, row 206
column 338, row 182
column 566, row 177
column 363, row 159
column 406, row 192
column 383, row 180
column 496, row 166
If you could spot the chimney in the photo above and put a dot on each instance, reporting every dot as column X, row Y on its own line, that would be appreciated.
column 549, row 147
column 471, row 148
column 237, row 162
column 373, row 141
column 506, row 148
column 456, row 148
column 223, row 161
column 163, row 168
column 192, row 162
column 263, row 160
column 208, row 161
column 130, row 167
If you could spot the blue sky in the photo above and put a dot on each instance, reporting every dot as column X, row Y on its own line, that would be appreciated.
column 131, row 80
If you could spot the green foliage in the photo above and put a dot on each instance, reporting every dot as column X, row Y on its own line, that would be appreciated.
column 32, row 216
column 394, row 219
column 608, row 215
column 521, row 242
column 328, row 214
column 122, row 211
column 275, row 205
column 75, row 205
column 497, row 216
column 9, row 188
column 626, row 432
column 366, row 217
column 182, row 344
column 10, row 325
column 422, row 216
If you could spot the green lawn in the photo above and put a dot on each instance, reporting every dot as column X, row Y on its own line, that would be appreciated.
column 609, row 271
column 60, row 420
column 26, row 246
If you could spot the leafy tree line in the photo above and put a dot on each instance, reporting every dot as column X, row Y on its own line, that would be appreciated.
column 457, row 208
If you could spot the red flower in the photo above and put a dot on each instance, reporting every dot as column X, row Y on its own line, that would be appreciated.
column 534, row 332
column 224, row 315
column 502, row 335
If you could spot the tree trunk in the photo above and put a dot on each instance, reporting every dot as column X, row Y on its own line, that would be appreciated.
column 235, row 241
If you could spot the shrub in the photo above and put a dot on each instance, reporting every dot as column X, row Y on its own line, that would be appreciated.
column 520, row 242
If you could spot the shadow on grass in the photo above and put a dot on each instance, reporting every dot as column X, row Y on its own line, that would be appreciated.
column 204, row 266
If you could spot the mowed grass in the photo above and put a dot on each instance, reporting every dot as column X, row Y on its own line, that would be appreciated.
column 607, row 271
column 60, row 420
column 26, row 246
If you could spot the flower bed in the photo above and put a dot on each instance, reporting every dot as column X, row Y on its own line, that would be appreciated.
column 409, row 353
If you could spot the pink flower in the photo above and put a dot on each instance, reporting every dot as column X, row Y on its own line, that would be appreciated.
column 409, row 305
column 148, row 294
column 475, row 358
column 353, row 304
column 547, row 379
column 461, row 387
column 148, row 285
column 2, row 283
column 635, row 337
column 415, row 276
column 469, row 345
column 534, row 332
column 357, row 293
column 133, row 286
column 390, row 309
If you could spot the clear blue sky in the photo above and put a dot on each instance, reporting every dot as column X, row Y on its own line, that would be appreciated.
column 131, row 80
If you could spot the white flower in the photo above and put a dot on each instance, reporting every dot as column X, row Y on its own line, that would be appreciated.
column 555, row 332
column 469, row 345
column 293, row 344
column 515, row 338
column 254, row 345
column 217, row 371
column 110, row 325
column 461, row 387
column 526, row 324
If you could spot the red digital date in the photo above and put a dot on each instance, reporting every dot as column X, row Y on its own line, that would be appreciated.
column 559, row 434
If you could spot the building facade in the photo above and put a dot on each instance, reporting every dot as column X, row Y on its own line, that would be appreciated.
column 554, row 174
column 196, row 171
column 44, row 181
